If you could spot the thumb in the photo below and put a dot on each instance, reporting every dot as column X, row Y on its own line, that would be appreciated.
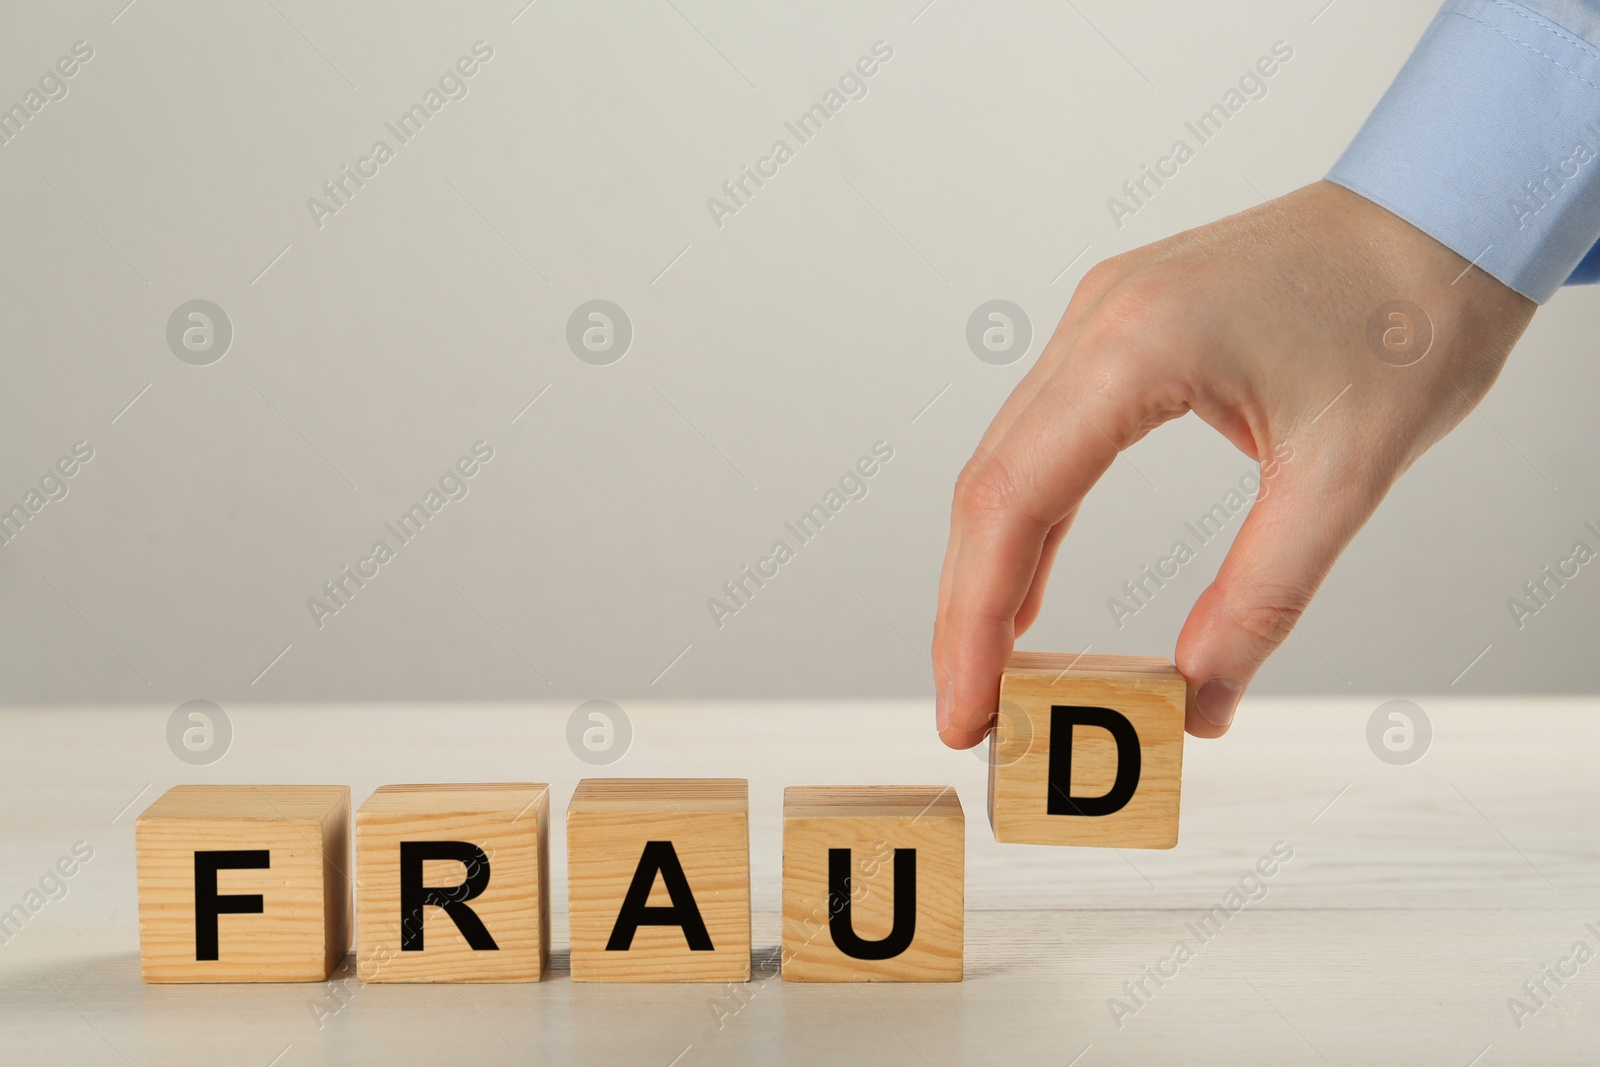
column 1297, row 528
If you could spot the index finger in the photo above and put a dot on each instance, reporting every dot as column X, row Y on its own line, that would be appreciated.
column 1036, row 476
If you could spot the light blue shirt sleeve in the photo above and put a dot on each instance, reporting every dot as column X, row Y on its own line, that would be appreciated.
column 1489, row 140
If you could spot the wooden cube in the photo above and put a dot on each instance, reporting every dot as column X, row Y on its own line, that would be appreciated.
column 452, row 883
column 873, row 884
column 1088, row 750
column 244, row 883
column 658, row 879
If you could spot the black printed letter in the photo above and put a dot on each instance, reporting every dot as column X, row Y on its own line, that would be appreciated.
column 207, row 905
column 1061, row 801
column 905, row 907
column 414, row 896
column 659, row 857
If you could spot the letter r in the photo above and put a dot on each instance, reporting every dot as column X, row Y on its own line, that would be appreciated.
column 414, row 896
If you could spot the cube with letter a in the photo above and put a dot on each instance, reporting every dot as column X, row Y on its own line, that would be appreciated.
column 1087, row 750
column 453, row 883
column 873, row 884
column 244, row 883
column 658, row 879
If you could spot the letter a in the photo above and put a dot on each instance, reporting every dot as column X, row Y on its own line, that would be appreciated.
column 659, row 857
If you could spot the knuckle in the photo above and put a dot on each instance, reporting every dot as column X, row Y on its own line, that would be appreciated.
column 1147, row 312
column 963, row 490
column 991, row 490
column 965, row 479
column 1127, row 311
column 1099, row 278
column 1269, row 616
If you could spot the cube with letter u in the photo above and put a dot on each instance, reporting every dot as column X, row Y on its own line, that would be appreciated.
column 873, row 884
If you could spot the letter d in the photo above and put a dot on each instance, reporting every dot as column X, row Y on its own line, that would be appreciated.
column 1060, row 800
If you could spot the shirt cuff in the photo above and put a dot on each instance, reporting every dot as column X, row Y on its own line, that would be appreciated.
column 1489, row 142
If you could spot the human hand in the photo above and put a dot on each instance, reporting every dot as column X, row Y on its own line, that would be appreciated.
column 1257, row 323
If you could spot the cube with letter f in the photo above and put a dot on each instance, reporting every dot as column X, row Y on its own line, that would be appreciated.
column 244, row 883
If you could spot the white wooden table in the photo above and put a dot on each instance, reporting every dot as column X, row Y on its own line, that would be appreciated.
column 1418, row 901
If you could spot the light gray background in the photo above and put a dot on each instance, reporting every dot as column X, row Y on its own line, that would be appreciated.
column 768, row 354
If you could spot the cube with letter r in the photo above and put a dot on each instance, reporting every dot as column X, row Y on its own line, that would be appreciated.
column 453, row 883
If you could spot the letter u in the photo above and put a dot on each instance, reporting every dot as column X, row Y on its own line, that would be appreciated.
column 904, row 928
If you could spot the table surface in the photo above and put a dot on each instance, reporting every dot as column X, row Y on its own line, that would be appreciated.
column 1418, row 901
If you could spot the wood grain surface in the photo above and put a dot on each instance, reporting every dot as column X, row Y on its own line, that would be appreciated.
column 707, row 823
column 303, row 929
column 877, row 823
column 510, row 824
column 1148, row 693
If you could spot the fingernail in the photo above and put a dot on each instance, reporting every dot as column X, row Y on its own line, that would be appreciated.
column 941, row 707
column 1217, row 700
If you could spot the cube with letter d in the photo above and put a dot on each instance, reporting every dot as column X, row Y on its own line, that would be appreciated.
column 1087, row 750
column 244, row 883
